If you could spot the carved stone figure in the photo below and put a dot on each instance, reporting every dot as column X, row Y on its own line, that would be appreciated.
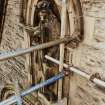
column 48, row 29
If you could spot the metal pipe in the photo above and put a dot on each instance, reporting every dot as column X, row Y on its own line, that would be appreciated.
column 79, row 72
column 11, row 54
column 13, row 99
column 17, row 93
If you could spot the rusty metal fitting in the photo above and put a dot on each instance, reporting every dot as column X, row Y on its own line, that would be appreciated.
column 93, row 76
column 66, row 72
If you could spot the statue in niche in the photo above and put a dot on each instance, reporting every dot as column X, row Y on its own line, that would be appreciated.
column 47, row 28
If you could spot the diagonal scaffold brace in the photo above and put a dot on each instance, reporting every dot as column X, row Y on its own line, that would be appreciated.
column 10, row 54
column 13, row 99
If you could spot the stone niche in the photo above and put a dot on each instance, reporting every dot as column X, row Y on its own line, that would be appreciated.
column 14, row 36
column 89, row 55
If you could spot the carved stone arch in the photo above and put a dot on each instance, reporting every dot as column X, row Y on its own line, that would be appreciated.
column 75, row 20
column 74, row 10
column 29, row 20
column 31, row 9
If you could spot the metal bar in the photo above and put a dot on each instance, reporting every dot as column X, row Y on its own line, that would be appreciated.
column 12, row 54
column 17, row 93
column 79, row 72
column 13, row 99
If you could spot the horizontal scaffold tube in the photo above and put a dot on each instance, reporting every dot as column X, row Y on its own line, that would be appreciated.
column 11, row 54
column 13, row 99
column 77, row 71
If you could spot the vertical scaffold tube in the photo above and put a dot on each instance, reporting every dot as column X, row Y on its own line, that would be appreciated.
column 63, row 33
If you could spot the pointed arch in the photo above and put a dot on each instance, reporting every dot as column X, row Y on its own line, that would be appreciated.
column 75, row 19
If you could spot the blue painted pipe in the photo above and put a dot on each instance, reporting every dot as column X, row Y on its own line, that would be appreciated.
column 13, row 99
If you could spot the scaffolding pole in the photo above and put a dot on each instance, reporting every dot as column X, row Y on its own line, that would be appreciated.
column 79, row 72
column 14, row 99
column 62, row 45
column 10, row 54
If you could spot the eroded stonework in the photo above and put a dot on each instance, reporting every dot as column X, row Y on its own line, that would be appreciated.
column 89, row 56
column 12, row 39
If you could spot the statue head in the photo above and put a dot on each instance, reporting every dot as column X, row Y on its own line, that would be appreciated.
column 44, row 9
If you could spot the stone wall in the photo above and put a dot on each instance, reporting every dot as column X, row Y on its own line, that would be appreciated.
column 12, row 38
column 89, row 56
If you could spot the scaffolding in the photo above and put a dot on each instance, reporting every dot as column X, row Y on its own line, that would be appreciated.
column 17, row 98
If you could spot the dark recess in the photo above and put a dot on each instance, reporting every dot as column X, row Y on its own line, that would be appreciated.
column 3, row 6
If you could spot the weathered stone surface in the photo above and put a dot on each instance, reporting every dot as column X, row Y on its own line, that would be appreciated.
column 89, row 56
column 12, row 39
